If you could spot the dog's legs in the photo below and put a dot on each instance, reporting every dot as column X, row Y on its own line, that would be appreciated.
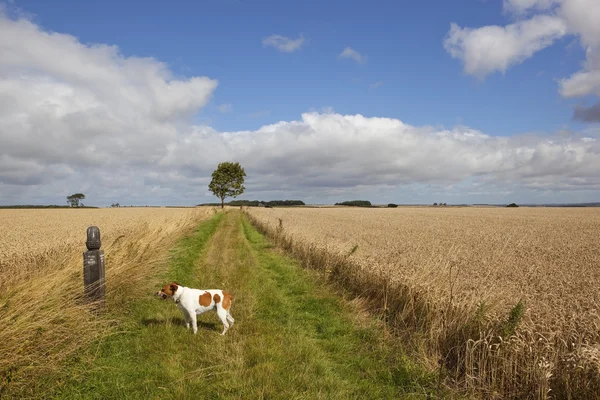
column 187, row 318
column 194, row 322
column 222, row 313
column 230, row 319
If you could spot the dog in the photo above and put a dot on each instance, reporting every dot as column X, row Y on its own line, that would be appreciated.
column 193, row 302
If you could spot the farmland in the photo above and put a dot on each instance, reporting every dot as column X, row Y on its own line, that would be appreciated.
column 294, row 337
column 492, row 302
column 508, row 298
column 41, row 277
column 32, row 240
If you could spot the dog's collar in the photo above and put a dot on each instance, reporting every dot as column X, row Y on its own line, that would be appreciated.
column 178, row 299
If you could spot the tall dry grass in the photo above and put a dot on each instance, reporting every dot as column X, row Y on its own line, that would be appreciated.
column 43, row 319
column 504, row 301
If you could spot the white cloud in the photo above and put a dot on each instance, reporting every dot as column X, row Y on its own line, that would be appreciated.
column 86, row 76
column 581, row 83
column 225, row 108
column 65, row 106
column 284, row 43
column 349, row 52
column 376, row 84
column 495, row 48
column 582, row 17
column 328, row 152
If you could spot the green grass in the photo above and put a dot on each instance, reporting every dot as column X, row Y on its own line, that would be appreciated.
column 294, row 337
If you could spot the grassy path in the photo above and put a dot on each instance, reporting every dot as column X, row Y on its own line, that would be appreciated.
column 293, row 338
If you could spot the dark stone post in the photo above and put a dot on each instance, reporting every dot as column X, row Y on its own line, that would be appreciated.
column 94, row 288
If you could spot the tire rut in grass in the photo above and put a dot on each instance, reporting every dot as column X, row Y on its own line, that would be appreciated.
column 220, row 265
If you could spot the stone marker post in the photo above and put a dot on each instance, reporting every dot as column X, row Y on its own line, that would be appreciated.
column 94, row 288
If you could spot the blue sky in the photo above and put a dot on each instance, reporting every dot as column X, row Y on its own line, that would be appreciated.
column 408, row 71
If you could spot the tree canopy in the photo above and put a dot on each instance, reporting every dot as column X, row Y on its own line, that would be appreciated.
column 227, row 180
column 272, row 203
column 75, row 198
column 355, row 203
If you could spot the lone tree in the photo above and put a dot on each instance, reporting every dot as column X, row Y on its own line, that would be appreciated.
column 74, row 199
column 227, row 181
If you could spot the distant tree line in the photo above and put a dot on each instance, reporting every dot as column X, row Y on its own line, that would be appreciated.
column 259, row 203
column 355, row 203
column 272, row 203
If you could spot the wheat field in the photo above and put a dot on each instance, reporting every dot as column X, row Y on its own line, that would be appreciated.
column 516, row 290
column 42, row 316
column 31, row 239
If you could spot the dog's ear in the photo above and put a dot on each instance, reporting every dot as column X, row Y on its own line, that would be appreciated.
column 173, row 287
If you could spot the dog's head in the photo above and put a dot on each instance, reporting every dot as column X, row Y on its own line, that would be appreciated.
column 168, row 290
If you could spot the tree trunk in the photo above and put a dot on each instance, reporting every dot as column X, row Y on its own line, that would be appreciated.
column 222, row 202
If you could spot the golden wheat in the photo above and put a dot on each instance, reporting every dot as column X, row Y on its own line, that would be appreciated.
column 42, row 316
column 31, row 238
column 469, row 269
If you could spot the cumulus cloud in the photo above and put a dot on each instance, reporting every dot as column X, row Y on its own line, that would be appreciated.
column 66, row 107
column 328, row 152
column 584, row 82
column 66, row 103
column 582, row 17
column 495, row 48
column 283, row 43
column 588, row 114
column 86, row 118
column 352, row 54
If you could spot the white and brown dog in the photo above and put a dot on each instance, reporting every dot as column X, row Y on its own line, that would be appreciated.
column 194, row 302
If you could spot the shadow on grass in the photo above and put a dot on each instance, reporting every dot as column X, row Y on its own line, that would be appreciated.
column 178, row 322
